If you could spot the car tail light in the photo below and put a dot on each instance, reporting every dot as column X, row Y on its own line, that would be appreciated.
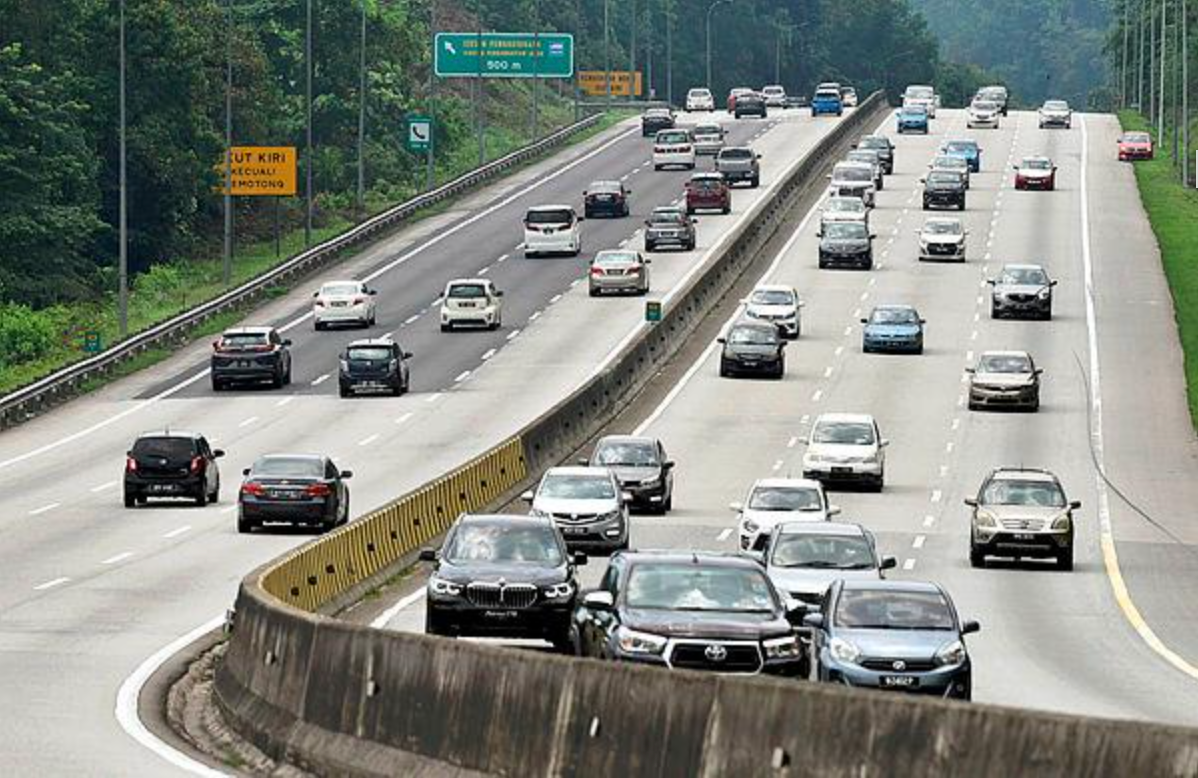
column 597, row 271
column 320, row 303
column 659, row 149
column 252, row 487
column 318, row 490
column 130, row 465
column 197, row 465
column 359, row 301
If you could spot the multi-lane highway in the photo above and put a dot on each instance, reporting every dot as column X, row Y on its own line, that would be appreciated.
column 1118, row 635
column 93, row 589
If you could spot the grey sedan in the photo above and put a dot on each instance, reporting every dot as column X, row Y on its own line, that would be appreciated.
column 1008, row 379
column 619, row 271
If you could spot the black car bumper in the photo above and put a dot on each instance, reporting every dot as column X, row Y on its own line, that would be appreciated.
column 864, row 260
column 768, row 366
column 250, row 369
column 650, row 497
column 1033, row 545
column 605, row 208
column 1021, row 307
column 458, row 616
column 307, row 513
column 944, row 200
column 141, row 486
column 375, row 382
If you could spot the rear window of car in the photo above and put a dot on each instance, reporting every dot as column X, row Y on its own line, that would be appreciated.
column 678, row 136
column 467, row 291
column 237, row 340
column 944, row 177
column 736, row 154
column 706, row 184
column 298, row 467
column 615, row 258
column 960, row 145
column 708, row 129
column 604, row 187
column 827, row 94
column 373, row 353
column 168, row 447
column 846, row 173
column 547, row 216
column 340, row 289
column 666, row 217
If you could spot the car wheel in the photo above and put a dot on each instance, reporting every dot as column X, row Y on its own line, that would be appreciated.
column 727, row 209
column 217, row 384
column 344, row 390
column 724, row 372
column 1065, row 560
column 287, row 375
column 691, row 246
column 244, row 526
column 276, row 380
column 201, row 499
column 130, row 499
column 214, row 495
column 668, row 504
column 435, row 625
column 318, row 326
column 976, row 557
column 756, row 182
column 1048, row 315
column 926, row 207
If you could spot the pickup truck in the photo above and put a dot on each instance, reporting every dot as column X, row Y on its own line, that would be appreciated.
column 739, row 163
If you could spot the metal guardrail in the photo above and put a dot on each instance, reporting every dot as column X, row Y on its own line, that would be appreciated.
column 28, row 401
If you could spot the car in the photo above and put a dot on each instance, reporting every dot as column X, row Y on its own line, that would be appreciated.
column 774, row 500
column 891, row 328
column 996, row 94
column 1004, row 379
column 340, row 302
column 673, row 148
column 708, row 192
column 552, row 229
column 853, row 179
column 846, row 448
column 881, row 144
column 921, row 96
column 797, row 101
column 502, row 576
column 827, row 101
column 803, row 558
column 376, row 365
column 750, row 104
column 829, row 85
column 739, row 164
column 1036, row 173
column 776, row 304
column 1021, row 513
column 911, row 118
column 1021, row 291
column 700, row 99
column 250, row 355
column 172, row 463
column 983, row 113
column 471, row 301
column 871, row 158
column 691, row 610
column 951, row 162
column 585, row 503
column 606, row 198
column 618, row 270
column 942, row 238
column 1134, row 146
column 944, row 189
column 656, row 119
column 775, row 96
column 966, row 149
column 670, row 226
column 1056, row 113
column 843, row 209
column 709, row 139
column 734, row 94
column 752, row 348
column 848, row 96
column 892, row 635
column 306, row 490
column 641, row 466
column 846, row 243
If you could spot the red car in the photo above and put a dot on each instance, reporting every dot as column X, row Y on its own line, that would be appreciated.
column 1135, row 145
column 735, row 93
column 708, row 191
column 1036, row 173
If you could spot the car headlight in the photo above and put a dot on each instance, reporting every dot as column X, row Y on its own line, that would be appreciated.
column 812, row 459
column 951, row 654
column 750, row 527
column 844, row 651
column 344, row 366
column 782, row 648
column 986, row 519
column 650, row 481
column 609, row 516
column 1062, row 522
column 631, row 641
column 1044, row 293
column 441, row 586
column 559, row 591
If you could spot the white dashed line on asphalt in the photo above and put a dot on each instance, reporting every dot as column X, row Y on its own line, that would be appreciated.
column 177, row 532
column 848, row 330
column 502, row 258
column 252, row 419
column 919, row 541
column 949, row 446
column 943, row 471
column 50, row 584
column 792, row 442
column 513, row 334
column 229, row 508
column 44, row 509
column 366, row 441
column 856, row 313
column 112, row 560
column 485, row 270
column 411, row 318
column 864, row 296
column 320, row 379
column 575, row 282
column 909, row 564
column 778, row 465
column 285, row 401
column 554, row 299
column 956, row 424
column 937, row 495
column 929, row 520
column 819, row 394
column 103, row 487
column 405, row 418
column 462, row 376
column 724, row 533
column 488, row 354
column 827, row 372
column 432, row 398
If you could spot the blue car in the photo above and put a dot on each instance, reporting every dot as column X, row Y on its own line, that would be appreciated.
column 893, row 328
column 827, row 101
column 913, row 118
column 967, row 150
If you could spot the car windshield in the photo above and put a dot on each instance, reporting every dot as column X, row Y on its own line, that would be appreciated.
column 863, row 155
column 949, row 162
column 1014, row 491
column 833, row 552
column 627, row 453
column 708, row 129
column 944, row 177
column 993, row 92
column 370, row 352
column 772, row 297
column 1137, row 137
column 657, row 113
column 960, row 147
column 170, row 448
column 736, row 154
column 852, row 173
column 1004, row 363
column 877, row 609
column 920, row 92
column 616, row 258
column 333, row 290
column 1056, row 105
column 984, row 105
column 292, row 467
column 894, row 316
column 550, row 216
column 917, row 111
column 693, row 587
column 845, row 230
column 467, row 291
column 577, row 487
column 699, row 93
column 604, row 187
column 1023, row 276
column 785, row 498
column 238, row 340
column 1037, row 164
column 667, row 217
column 845, row 205
column 942, row 228
column 844, row 433
column 503, row 542
column 873, row 143
column 680, row 136
column 753, row 336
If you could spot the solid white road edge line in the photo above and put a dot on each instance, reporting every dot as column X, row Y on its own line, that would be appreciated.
column 403, row 603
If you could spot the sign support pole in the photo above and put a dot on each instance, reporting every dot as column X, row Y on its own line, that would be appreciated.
column 226, row 274
column 123, row 270
column 430, row 176
column 308, row 150
column 478, row 100
column 536, row 66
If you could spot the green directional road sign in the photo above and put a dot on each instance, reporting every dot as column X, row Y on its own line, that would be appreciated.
column 653, row 311
column 420, row 134
column 504, row 55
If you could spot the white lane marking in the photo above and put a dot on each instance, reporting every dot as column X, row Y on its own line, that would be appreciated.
column 121, row 557
column 513, row 334
column 909, row 564
column 462, row 376
column 956, row 423
column 411, row 318
column 575, row 282
column 827, row 372
column 936, row 495
column 502, row 258
column 50, row 584
column 778, row 465
column 819, row 394
column 943, row 470
column 432, row 398
column 44, row 509
column 856, row 313
column 929, row 520
column 488, row 354
column 485, row 270
column 177, row 532
column 919, row 541
column 554, row 299
column 792, row 442
column 519, row 246
column 872, row 281
column 839, row 350
column 248, row 422
column 103, row 487
column 948, row 447
column 320, row 379
column 229, row 508
column 404, row 419
column 864, row 296
column 973, row 335
column 366, row 441
column 848, row 330
column 724, row 533
column 806, row 419
column 536, row 315
column 384, row 618
column 285, row 401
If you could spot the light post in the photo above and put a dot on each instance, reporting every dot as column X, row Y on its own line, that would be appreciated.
column 227, row 253
column 536, row 66
column 361, row 200
column 308, row 121
column 711, row 10
column 430, row 175
column 669, row 9
column 123, row 269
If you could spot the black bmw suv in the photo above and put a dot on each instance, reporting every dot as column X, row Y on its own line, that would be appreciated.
column 172, row 464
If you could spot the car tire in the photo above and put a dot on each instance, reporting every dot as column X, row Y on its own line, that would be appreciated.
column 435, row 625
column 668, row 504
column 879, row 484
column 976, row 557
column 690, row 211
column 724, row 372
column 201, row 499
column 217, row 384
column 130, row 499
column 1065, row 560
column 691, row 246
column 276, row 381
column 756, row 182
column 650, row 246
column 244, row 526
column 344, row 391
column 214, row 495
column 287, row 375
column 317, row 326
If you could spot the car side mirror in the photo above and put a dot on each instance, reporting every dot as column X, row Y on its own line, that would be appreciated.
column 923, row 180
column 287, row 342
column 347, row 474
column 1075, row 505
column 668, row 464
column 646, row 222
column 1038, row 371
column 499, row 293
column 814, row 620
column 1052, row 283
column 972, row 502
column 316, row 294
column 873, row 235
column 865, row 321
column 759, row 156
column 579, row 559
column 647, row 261
column 694, row 221
column 218, row 453
column 991, row 281
column 428, row 555
column 923, row 321
column 585, row 193
column 626, row 496
column 970, row 627
column 245, row 471
column 372, row 292
column 598, row 601
column 736, row 507
column 883, row 443
column 526, row 496
column 581, row 218
column 971, row 370
column 721, row 341
column 584, row 462
column 834, row 510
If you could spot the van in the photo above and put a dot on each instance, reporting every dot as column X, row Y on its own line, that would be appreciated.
column 552, row 229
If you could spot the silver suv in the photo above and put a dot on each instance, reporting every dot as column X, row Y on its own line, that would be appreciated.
column 586, row 504
column 1022, row 513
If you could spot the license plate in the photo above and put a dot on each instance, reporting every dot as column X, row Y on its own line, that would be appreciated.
column 573, row 530
column 1023, row 536
column 899, row 682
column 842, row 470
column 161, row 488
column 500, row 614
column 282, row 494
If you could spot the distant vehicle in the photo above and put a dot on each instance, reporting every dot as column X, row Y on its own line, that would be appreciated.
column 339, row 302
column 378, row 365
column 797, row 101
column 641, row 466
column 708, row 191
column 471, row 301
column 942, row 238
column 1022, row 291
column 606, row 198
column 1036, row 173
column 674, row 148
column 827, row 101
column 691, row 610
column 502, row 576
column 871, row 158
column 709, row 139
column 853, row 179
column 618, row 270
column 881, row 144
column 552, row 229
column 912, row 118
column 301, row 489
column 953, row 163
column 739, row 164
column 891, row 328
column 921, row 96
column 803, row 558
column 1004, row 379
column 848, row 96
column 1056, row 113
column 655, row 120
column 771, row 501
column 251, row 354
column 1135, row 145
column 669, row 226
column 776, row 304
column 585, row 503
column 996, row 94
column 735, row 94
column 1022, row 513
column 846, row 243
column 775, row 96
column 944, row 189
column 172, row 463
column 983, row 113
column 966, row 149
column 750, row 104
column 752, row 348
column 700, row 99
column 846, row 448
column 844, row 209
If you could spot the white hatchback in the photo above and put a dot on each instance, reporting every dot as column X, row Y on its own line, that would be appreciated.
column 674, row 148
column 343, row 302
column 774, row 500
column 700, row 100
column 775, row 96
column 471, row 301
column 552, row 229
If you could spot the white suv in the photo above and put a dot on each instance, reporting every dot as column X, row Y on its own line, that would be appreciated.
column 552, row 229
column 700, row 100
column 846, row 448
column 674, row 148
column 774, row 500
column 775, row 96
column 471, row 301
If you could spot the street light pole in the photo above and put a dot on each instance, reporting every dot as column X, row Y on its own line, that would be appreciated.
column 123, row 270
column 1123, row 76
column 710, row 10
column 607, row 48
column 308, row 145
column 669, row 8
column 362, row 117
column 1185, row 97
column 536, row 66
column 227, row 253
column 1160, row 112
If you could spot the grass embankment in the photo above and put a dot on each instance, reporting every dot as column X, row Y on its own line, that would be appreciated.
column 1173, row 212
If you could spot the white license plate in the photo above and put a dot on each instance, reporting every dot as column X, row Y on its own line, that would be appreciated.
column 899, row 682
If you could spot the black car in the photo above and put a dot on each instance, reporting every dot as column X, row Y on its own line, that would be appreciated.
column 753, row 348
column 689, row 610
column 896, row 635
column 656, row 119
column 882, row 145
column 642, row 468
column 1021, row 291
column 846, row 244
column 172, row 464
column 375, row 365
column 301, row 489
column 502, row 576
column 944, row 189
column 605, row 198
column 670, row 226
column 251, row 354
column 750, row 104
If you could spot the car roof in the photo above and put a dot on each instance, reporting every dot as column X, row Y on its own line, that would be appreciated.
column 845, row 417
column 844, row 199
column 363, row 342
column 169, row 433
column 891, row 585
column 726, row 149
column 251, row 330
column 699, row 90
column 819, row 528
column 580, row 471
column 707, row 126
column 851, row 165
column 773, row 288
column 942, row 220
column 894, row 307
column 1022, row 474
column 1023, row 266
column 532, row 208
column 606, row 182
column 627, row 439
column 670, row 209
column 787, row 483
column 1036, row 158
column 455, row 281
column 674, row 556
column 281, row 455
column 1005, row 353
column 966, row 141
column 505, row 518
column 707, row 176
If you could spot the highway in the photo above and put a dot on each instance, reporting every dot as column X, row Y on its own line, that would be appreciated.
column 94, row 589
column 1050, row 640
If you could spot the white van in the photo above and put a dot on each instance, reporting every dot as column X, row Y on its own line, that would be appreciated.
column 552, row 229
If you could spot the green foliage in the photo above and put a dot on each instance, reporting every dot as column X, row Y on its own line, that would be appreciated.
column 25, row 334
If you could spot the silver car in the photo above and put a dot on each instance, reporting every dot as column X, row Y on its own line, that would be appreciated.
column 777, row 304
column 844, row 209
column 1056, row 113
column 803, row 558
column 709, row 139
column 951, row 162
column 983, row 113
column 942, row 238
column 1004, row 379
column 853, row 179
column 1021, row 291
column 585, row 503
column 619, row 270
column 846, row 448
column 872, row 158
column 772, row 500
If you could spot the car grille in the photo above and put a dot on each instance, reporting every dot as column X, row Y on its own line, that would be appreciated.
column 575, row 518
column 734, row 657
column 1031, row 525
column 942, row 248
column 1020, row 298
column 888, row 665
column 493, row 595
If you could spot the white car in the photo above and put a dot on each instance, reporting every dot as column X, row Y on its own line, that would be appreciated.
column 853, row 179
column 779, row 305
column 846, row 448
column 844, row 209
column 984, row 113
column 709, row 139
column 1056, row 113
column 943, row 238
column 343, row 302
column 674, row 148
column 471, row 301
column 848, row 96
column 585, row 503
column 774, row 500
column 775, row 96
column 700, row 100
column 921, row 94
column 552, row 229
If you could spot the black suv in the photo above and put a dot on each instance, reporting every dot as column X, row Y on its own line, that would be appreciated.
column 750, row 104
column 669, row 226
column 690, row 610
column 172, row 464
column 944, row 189
column 642, row 468
column 846, row 243
column 251, row 354
column 377, row 365
column 502, row 576
column 656, row 119
column 882, row 145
